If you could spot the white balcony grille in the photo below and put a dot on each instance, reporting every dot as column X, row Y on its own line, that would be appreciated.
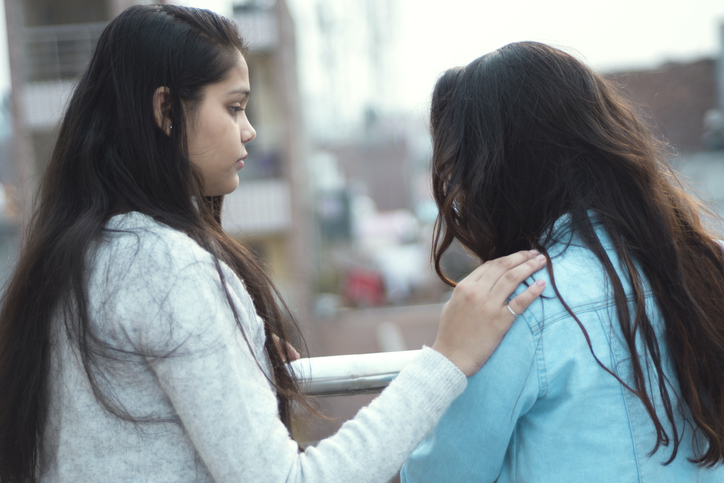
column 59, row 51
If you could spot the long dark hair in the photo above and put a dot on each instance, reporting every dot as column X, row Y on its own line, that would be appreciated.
column 112, row 158
column 527, row 134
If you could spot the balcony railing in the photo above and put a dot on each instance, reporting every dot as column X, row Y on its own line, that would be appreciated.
column 59, row 51
column 350, row 374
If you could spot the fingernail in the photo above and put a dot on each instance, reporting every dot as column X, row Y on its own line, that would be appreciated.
column 534, row 252
column 540, row 258
column 540, row 282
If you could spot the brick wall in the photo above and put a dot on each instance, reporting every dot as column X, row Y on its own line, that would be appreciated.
column 674, row 97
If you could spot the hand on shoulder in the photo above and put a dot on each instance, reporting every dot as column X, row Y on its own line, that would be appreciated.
column 476, row 318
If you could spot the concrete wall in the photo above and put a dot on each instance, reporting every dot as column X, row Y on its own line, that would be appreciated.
column 56, row 12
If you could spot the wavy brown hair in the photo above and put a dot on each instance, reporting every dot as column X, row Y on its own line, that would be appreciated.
column 112, row 158
column 526, row 134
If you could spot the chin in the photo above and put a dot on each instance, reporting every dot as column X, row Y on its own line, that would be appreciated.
column 231, row 187
column 222, row 191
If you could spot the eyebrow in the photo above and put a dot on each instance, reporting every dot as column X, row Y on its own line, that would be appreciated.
column 243, row 91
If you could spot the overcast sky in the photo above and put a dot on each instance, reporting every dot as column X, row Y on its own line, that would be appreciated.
column 431, row 36
column 609, row 35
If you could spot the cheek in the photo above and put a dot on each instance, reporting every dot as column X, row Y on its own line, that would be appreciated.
column 214, row 143
column 207, row 141
column 221, row 136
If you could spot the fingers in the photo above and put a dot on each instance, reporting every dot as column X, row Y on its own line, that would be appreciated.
column 506, row 284
column 523, row 300
column 500, row 277
column 494, row 269
column 475, row 318
column 293, row 354
column 288, row 352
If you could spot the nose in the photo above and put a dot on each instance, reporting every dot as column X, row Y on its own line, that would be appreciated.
column 248, row 133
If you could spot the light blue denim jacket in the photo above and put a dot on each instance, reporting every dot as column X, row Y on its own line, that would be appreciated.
column 543, row 410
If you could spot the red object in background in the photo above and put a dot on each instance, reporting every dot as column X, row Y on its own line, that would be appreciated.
column 364, row 288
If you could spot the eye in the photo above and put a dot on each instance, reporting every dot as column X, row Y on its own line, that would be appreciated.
column 235, row 109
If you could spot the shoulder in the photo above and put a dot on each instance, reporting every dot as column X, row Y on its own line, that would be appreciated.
column 148, row 280
column 576, row 283
column 578, row 276
column 137, row 239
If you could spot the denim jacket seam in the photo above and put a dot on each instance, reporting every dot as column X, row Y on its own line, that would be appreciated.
column 536, row 327
column 633, row 428
column 539, row 358
column 581, row 309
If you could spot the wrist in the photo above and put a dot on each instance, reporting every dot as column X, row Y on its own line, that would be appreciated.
column 464, row 365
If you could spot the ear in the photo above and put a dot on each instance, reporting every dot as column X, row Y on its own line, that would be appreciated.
column 162, row 109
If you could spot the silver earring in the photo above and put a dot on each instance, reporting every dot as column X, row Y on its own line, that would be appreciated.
column 170, row 127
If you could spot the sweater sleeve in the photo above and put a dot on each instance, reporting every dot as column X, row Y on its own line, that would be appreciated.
column 213, row 376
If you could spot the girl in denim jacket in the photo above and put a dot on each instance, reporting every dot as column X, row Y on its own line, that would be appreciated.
column 617, row 372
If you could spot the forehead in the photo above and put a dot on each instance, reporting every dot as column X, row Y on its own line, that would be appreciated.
column 236, row 81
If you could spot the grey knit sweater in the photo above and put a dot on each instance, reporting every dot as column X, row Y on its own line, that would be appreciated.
column 182, row 362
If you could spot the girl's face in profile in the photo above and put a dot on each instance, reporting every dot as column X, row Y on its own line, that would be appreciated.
column 219, row 130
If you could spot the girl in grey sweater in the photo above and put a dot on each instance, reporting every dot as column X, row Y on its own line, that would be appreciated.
column 138, row 341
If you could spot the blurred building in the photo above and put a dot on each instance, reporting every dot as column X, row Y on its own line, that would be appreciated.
column 383, row 167
column 676, row 97
column 346, row 48
column 50, row 43
column 683, row 100
column 269, row 211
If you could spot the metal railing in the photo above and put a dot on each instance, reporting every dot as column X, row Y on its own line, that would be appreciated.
column 59, row 51
column 350, row 374
column 62, row 51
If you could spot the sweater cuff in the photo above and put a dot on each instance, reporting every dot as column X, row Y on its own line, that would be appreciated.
column 437, row 379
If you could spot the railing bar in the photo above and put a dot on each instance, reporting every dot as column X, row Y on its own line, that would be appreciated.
column 65, row 28
column 350, row 374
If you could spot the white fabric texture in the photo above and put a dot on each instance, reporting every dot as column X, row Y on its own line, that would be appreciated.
column 154, row 291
